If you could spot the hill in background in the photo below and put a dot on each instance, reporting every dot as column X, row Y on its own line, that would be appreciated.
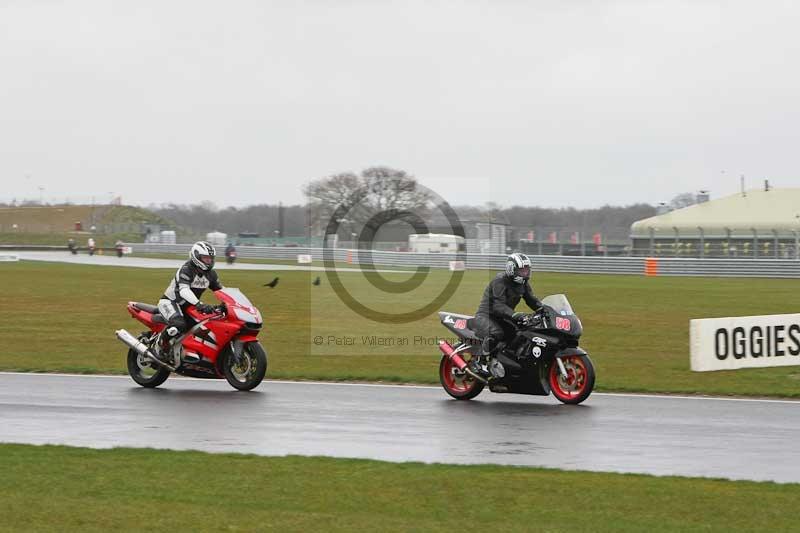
column 56, row 224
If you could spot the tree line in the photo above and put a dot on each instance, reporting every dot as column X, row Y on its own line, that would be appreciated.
column 378, row 195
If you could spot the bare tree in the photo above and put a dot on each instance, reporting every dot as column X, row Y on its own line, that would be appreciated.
column 374, row 197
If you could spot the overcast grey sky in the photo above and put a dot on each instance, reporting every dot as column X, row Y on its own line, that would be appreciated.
column 542, row 103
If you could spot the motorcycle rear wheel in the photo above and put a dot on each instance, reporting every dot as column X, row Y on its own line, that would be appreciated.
column 143, row 372
column 248, row 374
column 456, row 383
column 578, row 384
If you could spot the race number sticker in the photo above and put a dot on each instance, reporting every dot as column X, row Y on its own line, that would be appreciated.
column 563, row 324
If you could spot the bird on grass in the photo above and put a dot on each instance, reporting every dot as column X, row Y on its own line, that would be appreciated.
column 316, row 282
column 272, row 283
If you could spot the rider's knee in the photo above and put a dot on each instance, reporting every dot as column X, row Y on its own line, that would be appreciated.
column 489, row 344
column 176, row 326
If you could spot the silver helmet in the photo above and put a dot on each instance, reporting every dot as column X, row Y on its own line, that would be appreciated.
column 518, row 267
column 202, row 255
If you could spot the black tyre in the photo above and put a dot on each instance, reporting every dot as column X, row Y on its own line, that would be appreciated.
column 248, row 374
column 144, row 372
column 456, row 383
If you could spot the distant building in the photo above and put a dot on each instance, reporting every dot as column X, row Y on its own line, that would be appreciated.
column 436, row 243
column 756, row 223
column 217, row 238
column 167, row 237
column 480, row 237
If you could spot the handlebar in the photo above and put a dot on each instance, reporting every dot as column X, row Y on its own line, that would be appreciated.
column 218, row 310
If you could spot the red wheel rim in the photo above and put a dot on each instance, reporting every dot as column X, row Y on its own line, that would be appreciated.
column 457, row 385
column 574, row 384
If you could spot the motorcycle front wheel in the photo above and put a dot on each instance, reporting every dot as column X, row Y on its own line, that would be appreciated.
column 248, row 373
column 578, row 384
column 457, row 383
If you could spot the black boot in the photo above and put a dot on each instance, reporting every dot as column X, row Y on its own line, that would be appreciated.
column 477, row 368
column 161, row 347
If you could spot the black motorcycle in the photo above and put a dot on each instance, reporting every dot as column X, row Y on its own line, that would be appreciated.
column 542, row 356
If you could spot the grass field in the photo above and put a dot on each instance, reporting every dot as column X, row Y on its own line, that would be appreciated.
column 61, row 238
column 54, row 225
column 68, row 489
column 61, row 318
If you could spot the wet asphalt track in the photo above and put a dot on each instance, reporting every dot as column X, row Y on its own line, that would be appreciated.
column 737, row 439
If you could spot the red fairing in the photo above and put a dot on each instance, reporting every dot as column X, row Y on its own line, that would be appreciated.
column 145, row 318
column 211, row 333
column 449, row 351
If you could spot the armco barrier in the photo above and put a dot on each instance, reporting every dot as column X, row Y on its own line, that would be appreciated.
column 730, row 268
column 762, row 268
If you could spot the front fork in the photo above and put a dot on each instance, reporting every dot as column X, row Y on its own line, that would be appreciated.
column 561, row 368
column 237, row 347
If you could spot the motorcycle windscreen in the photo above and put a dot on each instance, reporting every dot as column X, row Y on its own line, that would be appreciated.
column 559, row 303
column 244, row 310
column 233, row 295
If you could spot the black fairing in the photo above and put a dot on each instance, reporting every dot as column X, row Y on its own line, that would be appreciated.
column 201, row 369
column 554, row 323
column 528, row 357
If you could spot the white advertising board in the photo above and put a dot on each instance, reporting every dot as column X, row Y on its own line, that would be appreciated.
column 457, row 266
column 745, row 342
column 304, row 259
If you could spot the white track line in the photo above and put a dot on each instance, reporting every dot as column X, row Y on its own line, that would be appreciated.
column 426, row 387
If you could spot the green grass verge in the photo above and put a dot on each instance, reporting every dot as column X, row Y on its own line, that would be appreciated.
column 74, row 489
column 61, row 317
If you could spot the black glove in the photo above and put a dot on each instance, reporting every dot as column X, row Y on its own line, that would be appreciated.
column 519, row 318
column 204, row 308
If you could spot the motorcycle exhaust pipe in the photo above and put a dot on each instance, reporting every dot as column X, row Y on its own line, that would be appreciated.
column 457, row 360
column 140, row 348
column 450, row 353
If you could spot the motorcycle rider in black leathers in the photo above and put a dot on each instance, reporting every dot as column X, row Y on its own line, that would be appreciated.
column 187, row 286
column 500, row 298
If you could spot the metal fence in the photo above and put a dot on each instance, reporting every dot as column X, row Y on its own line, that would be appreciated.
column 757, row 268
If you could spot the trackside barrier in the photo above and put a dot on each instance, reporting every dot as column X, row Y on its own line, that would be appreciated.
column 651, row 267
column 761, row 268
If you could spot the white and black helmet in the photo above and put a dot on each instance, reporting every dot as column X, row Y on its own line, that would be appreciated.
column 518, row 267
column 202, row 255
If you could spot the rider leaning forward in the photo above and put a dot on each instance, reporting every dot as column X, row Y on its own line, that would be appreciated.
column 500, row 298
column 185, row 289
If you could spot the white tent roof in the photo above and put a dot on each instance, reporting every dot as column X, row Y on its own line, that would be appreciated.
column 759, row 210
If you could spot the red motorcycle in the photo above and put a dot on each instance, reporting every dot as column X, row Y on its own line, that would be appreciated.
column 222, row 344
